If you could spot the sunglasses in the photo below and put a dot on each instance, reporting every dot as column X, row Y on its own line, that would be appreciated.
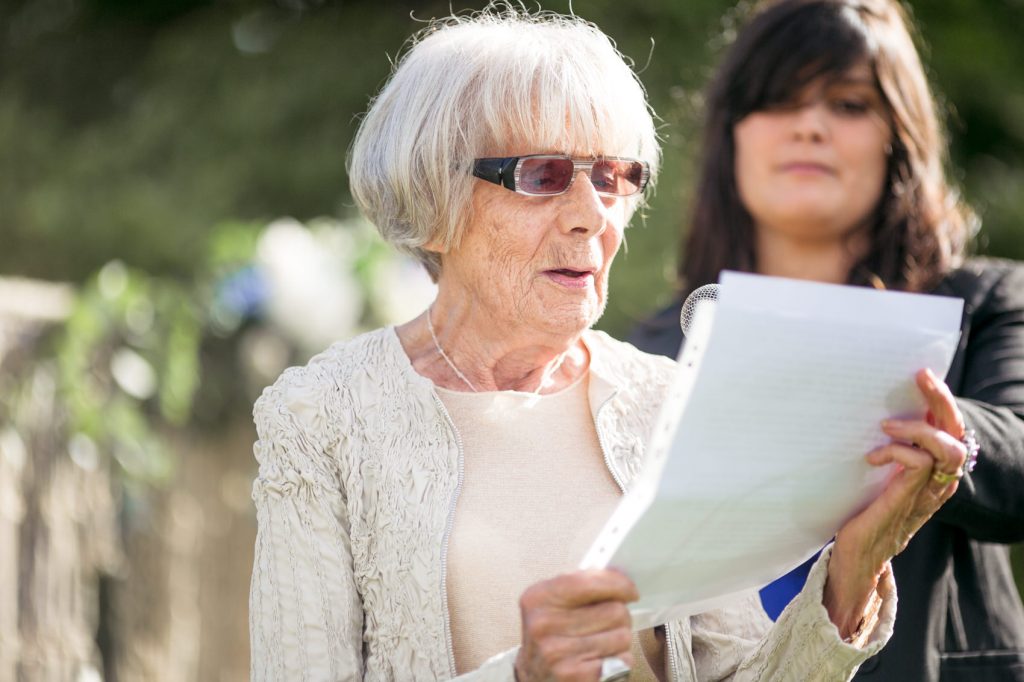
column 551, row 174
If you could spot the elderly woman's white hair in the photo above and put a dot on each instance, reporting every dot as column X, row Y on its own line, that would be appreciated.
column 477, row 85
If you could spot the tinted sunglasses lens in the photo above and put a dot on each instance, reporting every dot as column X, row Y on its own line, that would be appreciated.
column 544, row 176
column 618, row 177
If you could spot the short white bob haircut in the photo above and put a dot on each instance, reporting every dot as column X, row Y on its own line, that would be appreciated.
column 478, row 85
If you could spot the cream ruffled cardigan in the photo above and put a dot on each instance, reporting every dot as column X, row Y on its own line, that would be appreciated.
column 359, row 472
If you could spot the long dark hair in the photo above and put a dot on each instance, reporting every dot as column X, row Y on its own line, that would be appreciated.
column 920, row 229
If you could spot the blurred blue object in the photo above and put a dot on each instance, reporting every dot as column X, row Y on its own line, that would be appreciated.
column 243, row 293
column 775, row 595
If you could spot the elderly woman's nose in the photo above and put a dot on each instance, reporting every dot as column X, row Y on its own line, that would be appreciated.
column 584, row 211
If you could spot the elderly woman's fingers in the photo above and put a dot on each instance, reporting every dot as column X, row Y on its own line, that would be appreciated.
column 589, row 647
column 948, row 452
column 928, row 457
column 580, row 588
column 915, row 461
column 573, row 620
column 572, row 658
column 941, row 403
column 917, row 473
column 910, row 497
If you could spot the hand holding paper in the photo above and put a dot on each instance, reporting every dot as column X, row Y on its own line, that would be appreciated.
column 925, row 476
column 758, row 457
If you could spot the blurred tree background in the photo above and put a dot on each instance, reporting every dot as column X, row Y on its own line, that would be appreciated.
column 129, row 128
column 149, row 148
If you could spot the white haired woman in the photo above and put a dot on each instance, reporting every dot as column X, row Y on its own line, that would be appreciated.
column 426, row 491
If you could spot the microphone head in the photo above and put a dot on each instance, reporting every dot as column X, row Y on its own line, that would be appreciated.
column 701, row 296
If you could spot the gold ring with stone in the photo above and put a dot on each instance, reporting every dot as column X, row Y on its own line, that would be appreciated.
column 943, row 478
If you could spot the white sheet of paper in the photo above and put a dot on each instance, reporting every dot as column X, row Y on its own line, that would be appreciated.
column 781, row 393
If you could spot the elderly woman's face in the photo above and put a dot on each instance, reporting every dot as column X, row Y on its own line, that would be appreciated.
column 538, row 261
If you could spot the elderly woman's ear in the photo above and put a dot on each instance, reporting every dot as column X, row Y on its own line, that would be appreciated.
column 436, row 245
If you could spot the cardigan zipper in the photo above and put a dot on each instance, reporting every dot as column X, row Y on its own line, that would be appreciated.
column 673, row 660
column 447, row 533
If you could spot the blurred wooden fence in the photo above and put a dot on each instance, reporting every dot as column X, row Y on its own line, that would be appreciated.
column 103, row 580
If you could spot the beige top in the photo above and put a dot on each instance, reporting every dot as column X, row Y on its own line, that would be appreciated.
column 535, row 494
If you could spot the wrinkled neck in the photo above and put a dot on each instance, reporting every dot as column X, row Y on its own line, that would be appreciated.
column 475, row 352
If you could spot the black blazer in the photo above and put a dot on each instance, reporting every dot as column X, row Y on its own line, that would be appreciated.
column 959, row 616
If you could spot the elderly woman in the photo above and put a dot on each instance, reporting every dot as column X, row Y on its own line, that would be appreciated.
column 427, row 491
column 824, row 160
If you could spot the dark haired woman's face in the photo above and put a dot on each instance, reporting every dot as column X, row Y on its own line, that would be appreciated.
column 815, row 168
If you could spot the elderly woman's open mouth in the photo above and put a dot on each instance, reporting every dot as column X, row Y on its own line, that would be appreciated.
column 571, row 277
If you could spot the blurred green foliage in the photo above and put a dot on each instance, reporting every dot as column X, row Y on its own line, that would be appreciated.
column 127, row 359
column 131, row 338
column 128, row 128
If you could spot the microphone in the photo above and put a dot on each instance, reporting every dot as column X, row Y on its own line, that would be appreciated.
column 697, row 303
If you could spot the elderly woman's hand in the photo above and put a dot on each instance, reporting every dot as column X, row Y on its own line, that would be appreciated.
column 929, row 455
column 572, row 622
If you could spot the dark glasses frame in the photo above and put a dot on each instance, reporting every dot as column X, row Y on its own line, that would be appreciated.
column 506, row 171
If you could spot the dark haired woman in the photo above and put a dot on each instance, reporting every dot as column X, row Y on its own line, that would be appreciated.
column 824, row 161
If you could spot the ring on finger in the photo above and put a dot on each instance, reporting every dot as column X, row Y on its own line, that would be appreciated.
column 613, row 668
column 943, row 478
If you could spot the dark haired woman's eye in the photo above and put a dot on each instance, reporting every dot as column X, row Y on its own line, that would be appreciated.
column 850, row 106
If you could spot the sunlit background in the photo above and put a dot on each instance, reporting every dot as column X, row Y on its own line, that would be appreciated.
column 175, row 229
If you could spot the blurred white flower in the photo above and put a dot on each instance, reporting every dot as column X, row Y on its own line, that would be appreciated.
column 12, row 448
column 84, row 452
column 313, row 297
column 113, row 279
column 132, row 373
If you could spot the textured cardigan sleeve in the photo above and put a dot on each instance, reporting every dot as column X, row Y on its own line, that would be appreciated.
column 740, row 644
column 305, row 615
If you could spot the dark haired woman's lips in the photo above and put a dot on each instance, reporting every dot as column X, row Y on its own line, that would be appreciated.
column 807, row 167
column 570, row 278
